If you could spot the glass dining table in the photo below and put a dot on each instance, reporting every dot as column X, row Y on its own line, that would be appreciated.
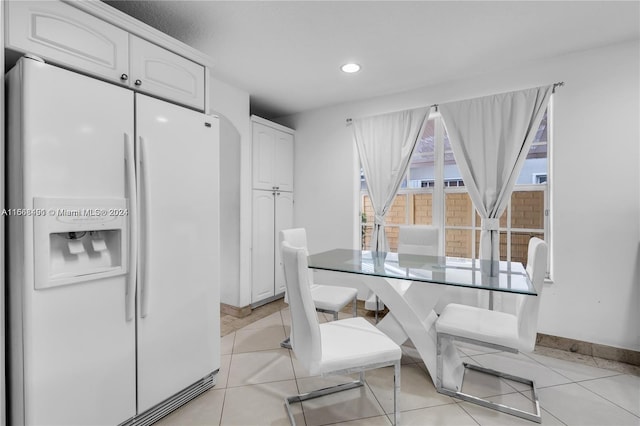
column 410, row 286
column 450, row 271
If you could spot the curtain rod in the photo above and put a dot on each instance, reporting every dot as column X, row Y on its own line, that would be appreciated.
column 349, row 121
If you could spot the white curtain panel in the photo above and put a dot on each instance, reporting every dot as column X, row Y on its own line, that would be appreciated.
column 490, row 138
column 385, row 143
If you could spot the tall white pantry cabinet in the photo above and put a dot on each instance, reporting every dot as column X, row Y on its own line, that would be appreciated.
column 272, row 208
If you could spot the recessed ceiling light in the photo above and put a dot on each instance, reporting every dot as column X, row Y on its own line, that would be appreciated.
column 350, row 68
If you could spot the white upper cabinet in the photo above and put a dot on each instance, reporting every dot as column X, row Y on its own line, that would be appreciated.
column 263, row 156
column 62, row 34
column 159, row 72
column 272, row 157
column 70, row 37
column 283, row 168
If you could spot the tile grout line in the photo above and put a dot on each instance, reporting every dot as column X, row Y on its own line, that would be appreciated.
column 501, row 379
column 547, row 367
column 384, row 412
column 605, row 398
column 293, row 369
column 541, row 407
column 224, row 400
column 468, row 413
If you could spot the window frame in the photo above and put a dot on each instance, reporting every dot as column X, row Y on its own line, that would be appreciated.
column 440, row 189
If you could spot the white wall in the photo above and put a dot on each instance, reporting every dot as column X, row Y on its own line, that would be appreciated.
column 232, row 104
column 595, row 194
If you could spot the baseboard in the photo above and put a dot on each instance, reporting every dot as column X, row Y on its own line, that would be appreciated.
column 235, row 311
column 267, row 300
column 627, row 356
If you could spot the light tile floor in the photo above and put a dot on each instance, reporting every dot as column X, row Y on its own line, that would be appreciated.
column 256, row 374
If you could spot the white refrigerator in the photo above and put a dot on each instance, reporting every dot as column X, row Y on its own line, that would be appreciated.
column 113, row 248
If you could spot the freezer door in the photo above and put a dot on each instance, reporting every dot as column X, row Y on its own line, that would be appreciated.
column 178, row 290
column 72, row 350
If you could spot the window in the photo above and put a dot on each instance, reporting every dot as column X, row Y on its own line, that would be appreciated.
column 539, row 178
column 434, row 193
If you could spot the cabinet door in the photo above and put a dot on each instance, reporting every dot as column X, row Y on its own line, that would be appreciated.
column 262, row 254
column 62, row 34
column 283, row 170
column 284, row 220
column 159, row 72
column 178, row 291
column 264, row 151
column 272, row 158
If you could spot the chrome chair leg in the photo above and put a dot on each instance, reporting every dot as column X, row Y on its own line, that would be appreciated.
column 396, row 392
column 349, row 385
column 531, row 416
column 316, row 394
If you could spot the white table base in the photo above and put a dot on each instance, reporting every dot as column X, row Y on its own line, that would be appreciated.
column 411, row 316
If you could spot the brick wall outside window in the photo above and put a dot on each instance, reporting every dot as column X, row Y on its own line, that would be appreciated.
column 527, row 212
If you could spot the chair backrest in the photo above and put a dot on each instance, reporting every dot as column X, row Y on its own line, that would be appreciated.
column 297, row 237
column 305, row 330
column 418, row 239
column 528, row 306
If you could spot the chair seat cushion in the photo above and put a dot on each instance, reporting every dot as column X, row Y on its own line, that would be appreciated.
column 354, row 342
column 332, row 298
column 480, row 324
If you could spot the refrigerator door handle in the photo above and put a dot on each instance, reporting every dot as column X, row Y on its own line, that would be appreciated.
column 130, row 179
column 146, row 217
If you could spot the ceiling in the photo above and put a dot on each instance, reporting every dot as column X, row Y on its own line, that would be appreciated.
column 287, row 54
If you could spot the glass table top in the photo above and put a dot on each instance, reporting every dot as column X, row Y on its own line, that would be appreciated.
column 510, row 277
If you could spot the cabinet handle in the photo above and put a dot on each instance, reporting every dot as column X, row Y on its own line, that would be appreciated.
column 124, row 77
column 138, row 83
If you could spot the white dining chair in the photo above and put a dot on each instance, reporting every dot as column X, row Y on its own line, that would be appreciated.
column 497, row 330
column 326, row 298
column 346, row 346
column 418, row 239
